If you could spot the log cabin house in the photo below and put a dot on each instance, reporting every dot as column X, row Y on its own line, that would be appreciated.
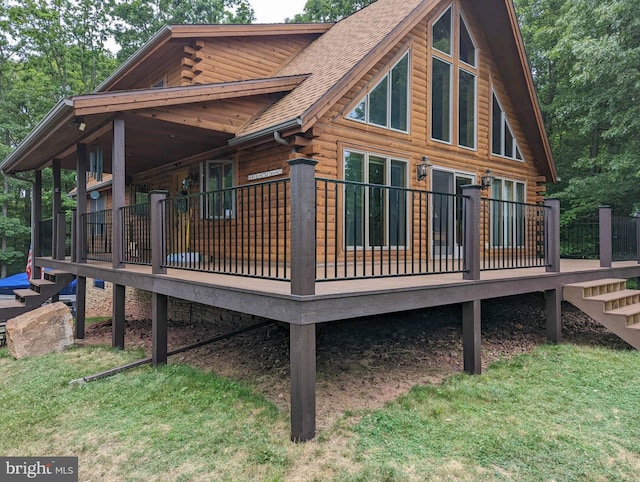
column 308, row 173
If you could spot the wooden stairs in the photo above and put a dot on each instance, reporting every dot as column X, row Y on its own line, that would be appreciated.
column 610, row 303
column 40, row 290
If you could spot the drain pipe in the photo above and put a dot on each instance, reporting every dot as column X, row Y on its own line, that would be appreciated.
column 144, row 361
column 279, row 139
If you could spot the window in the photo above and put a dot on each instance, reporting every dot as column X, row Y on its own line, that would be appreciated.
column 375, row 216
column 453, row 93
column 387, row 103
column 507, row 216
column 159, row 84
column 502, row 141
column 218, row 181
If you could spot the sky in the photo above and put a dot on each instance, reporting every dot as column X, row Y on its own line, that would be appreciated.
column 275, row 11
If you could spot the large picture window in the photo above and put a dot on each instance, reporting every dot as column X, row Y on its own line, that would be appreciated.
column 387, row 104
column 453, row 97
column 218, row 179
column 375, row 212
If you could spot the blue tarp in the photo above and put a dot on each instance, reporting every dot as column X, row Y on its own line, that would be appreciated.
column 19, row 281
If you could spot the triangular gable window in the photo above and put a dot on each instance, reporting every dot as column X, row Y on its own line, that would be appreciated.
column 503, row 143
column 387, row 104
column 467, row 46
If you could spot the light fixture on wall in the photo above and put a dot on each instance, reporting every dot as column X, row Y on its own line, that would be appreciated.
column 423, row 168
column 79, row 121
column 487, row 179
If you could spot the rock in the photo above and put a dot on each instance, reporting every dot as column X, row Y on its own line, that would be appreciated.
column 40, row 331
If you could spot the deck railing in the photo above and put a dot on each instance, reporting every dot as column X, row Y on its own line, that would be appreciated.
column 242, row 231
column 624, row 238
column 45, row 237
column 372, row 231
column 98, row 229
column 512, row 235
column 580, row 240
column 136, row 233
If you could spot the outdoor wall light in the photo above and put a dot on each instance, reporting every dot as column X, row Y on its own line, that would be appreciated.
column 79, row 121
column 423, row 168
column 487, row 179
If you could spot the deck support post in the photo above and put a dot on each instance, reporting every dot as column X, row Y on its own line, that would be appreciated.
column 303, row 381
column 118, row 191
column 81, row 306
column 81, row 203
column 159, row 329
column 74, row 234
column 117, row 322
column 158, row 255
column 552, row 234
column 606, row 255
column 303, row 227
column 56, row 204
column 471, row 337
column 472, row 231
column 554, row 314
column 36, row 218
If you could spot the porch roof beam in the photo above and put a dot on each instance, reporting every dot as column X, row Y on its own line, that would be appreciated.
column 149, row 98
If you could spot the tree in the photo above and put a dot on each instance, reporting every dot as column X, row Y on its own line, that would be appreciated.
column 585, row 59
column 137, row 21
column 328, row 10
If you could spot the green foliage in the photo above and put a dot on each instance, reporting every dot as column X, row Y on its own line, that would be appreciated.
column 328, row 10
column 136, row 21
column 585, row 59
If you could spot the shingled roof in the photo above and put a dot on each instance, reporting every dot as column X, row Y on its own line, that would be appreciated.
column 336, row 54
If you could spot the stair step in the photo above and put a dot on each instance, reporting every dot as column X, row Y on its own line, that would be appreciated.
column 11, row 304
column 617, row 299
column 631, row 312
column 601, row 286
column 26, row 293
column 51, row 274
column 39, row 283
column 635, row 326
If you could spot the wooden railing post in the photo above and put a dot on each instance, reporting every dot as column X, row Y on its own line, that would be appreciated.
column 303, row 232
column 36, row 218
column 552, row 234
column 471, row 231
column 81, row 203
column 606, row 253
column 157, row 213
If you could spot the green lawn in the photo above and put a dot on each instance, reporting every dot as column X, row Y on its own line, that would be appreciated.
column 560, row 413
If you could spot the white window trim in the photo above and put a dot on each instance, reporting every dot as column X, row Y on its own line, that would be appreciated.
column 504, row 120
column 365, row 171
column 451, row 29
column 473, row 41
column 367, row 103
column 451, row 94
column 204, row 185
column 475, row 105
column 503, row 244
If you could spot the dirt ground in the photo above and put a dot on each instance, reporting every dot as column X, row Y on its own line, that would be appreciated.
column 366, row 362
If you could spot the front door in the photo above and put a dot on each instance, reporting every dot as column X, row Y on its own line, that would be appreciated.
column 448, row 215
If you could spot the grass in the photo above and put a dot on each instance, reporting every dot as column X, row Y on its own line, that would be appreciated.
column 559, row 413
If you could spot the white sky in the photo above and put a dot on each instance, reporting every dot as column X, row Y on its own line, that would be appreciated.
column 275, row 11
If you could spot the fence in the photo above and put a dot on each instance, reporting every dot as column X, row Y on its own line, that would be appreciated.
column 624, row 238
column 513, row 235
column 243, row 231
column 580, row 240
column 45, row 237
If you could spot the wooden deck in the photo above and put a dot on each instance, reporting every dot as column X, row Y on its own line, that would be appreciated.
column 343, row 299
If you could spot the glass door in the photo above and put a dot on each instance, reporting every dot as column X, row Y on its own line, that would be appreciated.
column 447, row 219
